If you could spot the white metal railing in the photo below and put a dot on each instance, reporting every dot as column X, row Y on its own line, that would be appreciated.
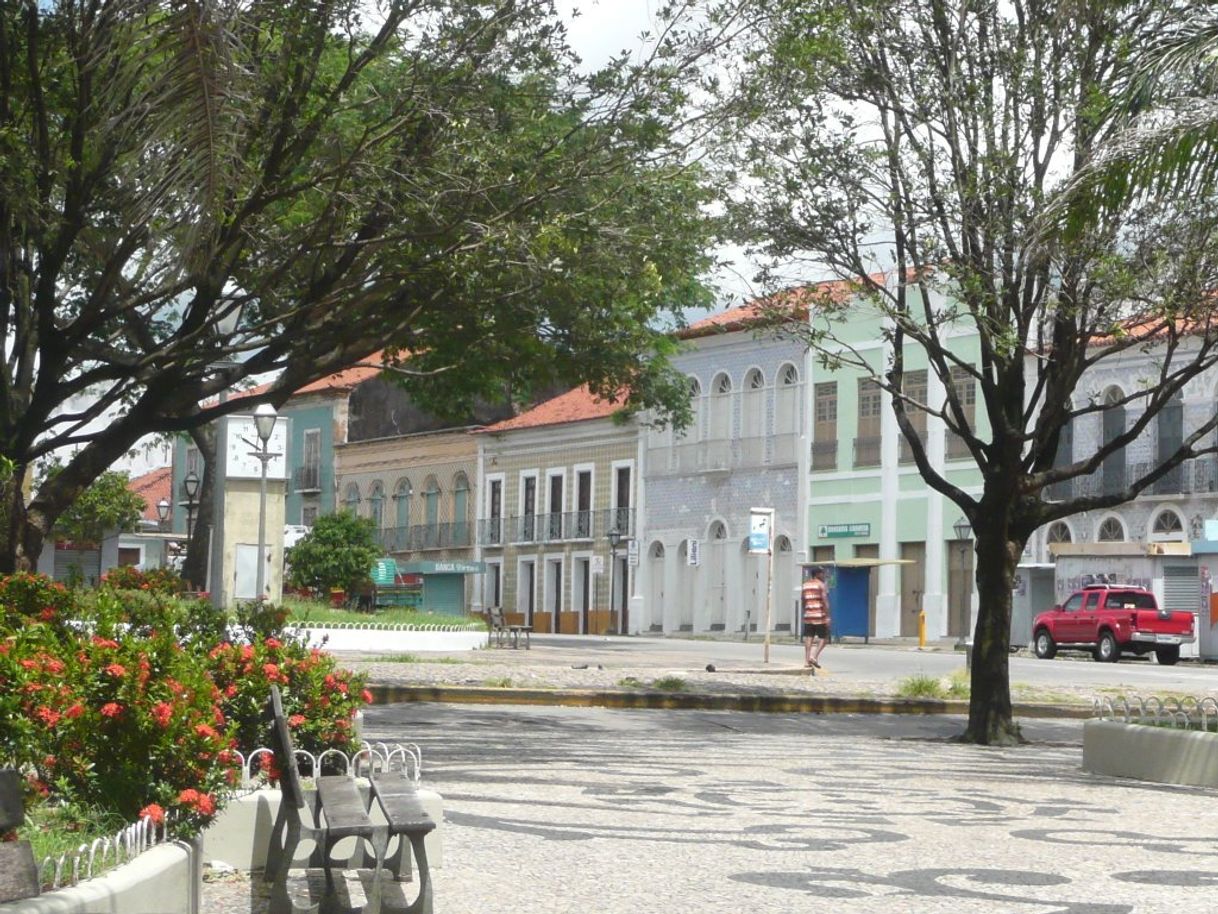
column 1186, row 713
column 96, row 857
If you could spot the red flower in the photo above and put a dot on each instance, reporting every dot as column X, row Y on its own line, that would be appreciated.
column 199, row 801
column 48, row 716
column 367, row 696
column 47, row 614
column 296, row 720
column 117, row 670
column 154, row 812
column 111, row 709
column 74, row 711
column 271, row 670
column 206, row 731
column 273, row 643
column 105, row 642
column 162, row 713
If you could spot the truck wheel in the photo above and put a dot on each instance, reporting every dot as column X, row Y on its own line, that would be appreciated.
column 1106, row 649
column 1168, row 656
column 1044, row 645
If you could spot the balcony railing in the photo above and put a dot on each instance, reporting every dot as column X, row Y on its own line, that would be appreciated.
column 1193, row 477
column 565, row 526
column 307, row 479
column 824, row 455
column 419, row 537
column 867, row 452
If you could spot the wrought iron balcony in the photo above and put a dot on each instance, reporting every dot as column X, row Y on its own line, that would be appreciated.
column 307, row 478
column 564, row 526
column 867, row 451
column 824, row 455
column 419, row 537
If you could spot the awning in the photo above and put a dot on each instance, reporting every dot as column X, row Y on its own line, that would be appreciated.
column 452, row 567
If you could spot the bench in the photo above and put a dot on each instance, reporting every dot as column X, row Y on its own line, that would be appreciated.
column 337, row 810
column 499, row 631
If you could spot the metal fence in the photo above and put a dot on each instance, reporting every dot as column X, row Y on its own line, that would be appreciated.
column 1185, row 713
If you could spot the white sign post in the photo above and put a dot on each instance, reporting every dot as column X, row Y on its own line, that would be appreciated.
column 761, row 542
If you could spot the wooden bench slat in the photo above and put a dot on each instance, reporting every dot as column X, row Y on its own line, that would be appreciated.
column 399, row 799
column 343, row 807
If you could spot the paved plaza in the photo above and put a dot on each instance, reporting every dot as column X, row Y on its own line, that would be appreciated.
column 574, row 810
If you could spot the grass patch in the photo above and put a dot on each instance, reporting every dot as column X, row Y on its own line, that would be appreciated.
column 958, row 685
column 669, row 684
column 921, row 686
column 305, row 611
column 498, row 682
column 57, row 830
column 629, row 682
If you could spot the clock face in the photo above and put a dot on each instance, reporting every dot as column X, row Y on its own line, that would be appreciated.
column 241, row 441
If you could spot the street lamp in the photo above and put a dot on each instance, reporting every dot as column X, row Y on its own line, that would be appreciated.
column 190, row 484
column 162, row 511
column 264, row 422
column 615, row 540
column 963, row 531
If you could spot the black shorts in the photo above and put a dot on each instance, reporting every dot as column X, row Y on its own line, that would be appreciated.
column 816, row 630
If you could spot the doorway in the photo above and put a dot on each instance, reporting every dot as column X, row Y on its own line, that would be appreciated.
column 913, row 585
column 960, row 587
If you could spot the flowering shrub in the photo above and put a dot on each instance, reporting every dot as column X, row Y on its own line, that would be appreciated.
column 319, row 698
column 118, row 723
column 154, row 580
column 140, row 710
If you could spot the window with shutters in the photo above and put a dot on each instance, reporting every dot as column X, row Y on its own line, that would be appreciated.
column 867, row 441
column 824, row 428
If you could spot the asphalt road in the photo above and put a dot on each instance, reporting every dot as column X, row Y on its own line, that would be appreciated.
column 889, row 661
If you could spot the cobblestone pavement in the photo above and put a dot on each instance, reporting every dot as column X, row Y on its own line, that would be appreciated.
column 582, row 809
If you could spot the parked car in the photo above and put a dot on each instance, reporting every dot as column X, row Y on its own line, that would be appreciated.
column 1109, row 619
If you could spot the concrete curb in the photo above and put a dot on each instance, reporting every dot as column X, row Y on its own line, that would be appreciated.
column 384, row 693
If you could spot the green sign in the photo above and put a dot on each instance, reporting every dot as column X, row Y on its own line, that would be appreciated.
column 831, row 531
column 451, row 567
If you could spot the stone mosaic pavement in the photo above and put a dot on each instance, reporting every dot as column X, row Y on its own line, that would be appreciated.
column 565, row 810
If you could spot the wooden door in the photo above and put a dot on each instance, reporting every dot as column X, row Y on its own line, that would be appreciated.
column 959, row 588
column 913, row 585
column 870, row 551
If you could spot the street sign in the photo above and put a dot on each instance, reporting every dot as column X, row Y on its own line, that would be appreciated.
column 632, row 552
column 760, row 522
column 597, row 564
column 694, row 557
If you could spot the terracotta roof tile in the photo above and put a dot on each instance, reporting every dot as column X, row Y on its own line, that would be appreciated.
column 578, row 405
column 796, row 300
column 152, row 487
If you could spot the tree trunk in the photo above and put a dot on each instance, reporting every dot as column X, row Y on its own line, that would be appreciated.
column 22, row 533
column 990, row 721
column 194, row 568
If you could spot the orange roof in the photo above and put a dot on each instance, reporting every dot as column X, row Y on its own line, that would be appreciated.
column 152, row 487
column 578, row 405
column 795, row 300
column 344, row 380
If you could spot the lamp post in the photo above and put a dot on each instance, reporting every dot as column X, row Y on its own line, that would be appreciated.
column 162, row 513
column 264, row 422
column 964, row 530
column 190, row 484
column 615, row 540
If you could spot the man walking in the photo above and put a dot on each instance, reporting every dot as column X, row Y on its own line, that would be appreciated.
column 815, row 598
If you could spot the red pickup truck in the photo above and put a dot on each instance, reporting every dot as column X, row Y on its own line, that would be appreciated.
column 1107, row 619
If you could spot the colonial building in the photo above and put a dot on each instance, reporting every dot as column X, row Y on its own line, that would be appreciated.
column 557, row 495
column 746, row 448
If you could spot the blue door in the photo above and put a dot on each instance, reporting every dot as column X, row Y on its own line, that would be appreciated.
column 848, row 602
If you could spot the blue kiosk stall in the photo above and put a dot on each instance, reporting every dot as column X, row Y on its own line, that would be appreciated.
column 850, row 598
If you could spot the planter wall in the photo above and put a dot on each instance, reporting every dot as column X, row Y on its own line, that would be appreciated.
column 240, row 835
column 166, row 879
column 1158, row 754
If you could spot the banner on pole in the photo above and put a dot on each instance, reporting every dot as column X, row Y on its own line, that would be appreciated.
column 761, row 520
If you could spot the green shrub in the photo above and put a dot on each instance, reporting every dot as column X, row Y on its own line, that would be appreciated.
column 669, row 684
column 28, row 597
column 920, row 686
column 154, row 580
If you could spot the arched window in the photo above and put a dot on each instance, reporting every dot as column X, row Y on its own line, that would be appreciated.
column 657, row 550
column 782, row 544
column 1170, row 427
column 376, row 504
column 1059, row 533
column 461, row 526
column 1111, row 531
column 1112, row 470
column 1168, row 526
column 788, row 375
column 718, row 531
column 402, row 497
column 351, row 498
column 720, row 408
column 753, row 405
column 431, row 501
column 696, row 407
column 786, row 402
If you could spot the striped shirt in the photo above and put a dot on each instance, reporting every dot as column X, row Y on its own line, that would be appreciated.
column 816, row 602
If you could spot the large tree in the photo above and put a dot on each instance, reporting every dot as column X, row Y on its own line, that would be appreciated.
column 929, row 153
column 438, row 177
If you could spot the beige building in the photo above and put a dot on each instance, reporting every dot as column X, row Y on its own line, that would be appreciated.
column 419, row 491
column 555, row 482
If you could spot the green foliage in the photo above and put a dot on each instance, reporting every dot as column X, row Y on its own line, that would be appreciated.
column 920, row 686
column 138, row 706
column 105, row 506
column 670, row 684
column 338, row 552
column 154, row 580
column 510, row 219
